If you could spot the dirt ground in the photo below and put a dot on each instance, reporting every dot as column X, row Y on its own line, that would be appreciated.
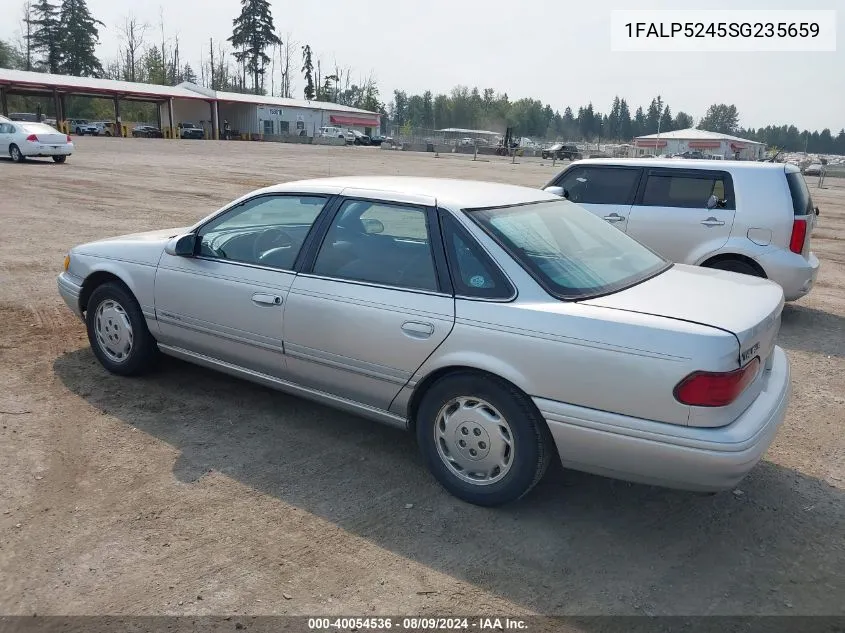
column 189, row 492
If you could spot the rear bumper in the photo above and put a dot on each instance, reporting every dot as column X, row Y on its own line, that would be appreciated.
column 70, row 288
column 791, row 271
column 41, row 149
column 690, row 458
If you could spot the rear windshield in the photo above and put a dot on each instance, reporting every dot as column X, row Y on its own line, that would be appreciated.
column 802, row 203
column 38, row 128
column 569, row 251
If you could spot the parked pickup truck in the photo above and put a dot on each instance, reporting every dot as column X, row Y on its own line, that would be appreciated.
column 190, row 130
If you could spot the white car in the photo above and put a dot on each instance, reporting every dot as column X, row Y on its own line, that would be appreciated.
column 329, row 131
column 747, row 217
column 21, row 140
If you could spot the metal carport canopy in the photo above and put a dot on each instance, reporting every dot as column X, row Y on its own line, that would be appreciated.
column 43, row 83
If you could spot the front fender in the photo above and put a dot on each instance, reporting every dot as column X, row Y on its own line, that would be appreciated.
column 138, row 277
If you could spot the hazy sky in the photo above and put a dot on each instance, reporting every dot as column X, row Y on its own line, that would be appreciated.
column 553, row 50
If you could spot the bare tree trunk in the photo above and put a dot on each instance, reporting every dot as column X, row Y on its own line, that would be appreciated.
column 132, row 33
column 213, row 69
column 27, row 19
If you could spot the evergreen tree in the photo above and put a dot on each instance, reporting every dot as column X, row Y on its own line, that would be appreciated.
column 666, row 123
column 639, row 124
column 253, row 32
column 308, row 71
column 625, row 127
column 79, row 38
column 47, row 37
column 682, row 121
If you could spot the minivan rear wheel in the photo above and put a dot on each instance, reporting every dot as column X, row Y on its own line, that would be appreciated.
column 735, row 266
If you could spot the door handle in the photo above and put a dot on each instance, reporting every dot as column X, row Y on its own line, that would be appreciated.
column 614, row 217
column 416, row 329
column 711, row 221
column 266, row 300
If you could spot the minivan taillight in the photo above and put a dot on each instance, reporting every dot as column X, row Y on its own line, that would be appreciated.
column 799, row 234
column 716, row 389
column 32, row 138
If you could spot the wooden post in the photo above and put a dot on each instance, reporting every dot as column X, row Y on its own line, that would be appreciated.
column 3, row 102
column 170, row 122
column 63, row 108
column 57, row 107
column 215, row 123
column 118, row 124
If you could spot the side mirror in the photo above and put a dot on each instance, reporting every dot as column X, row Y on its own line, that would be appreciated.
column 817, row 210
column 182, row 245
column 372, row 225
column 712, row 202
column 555, row 190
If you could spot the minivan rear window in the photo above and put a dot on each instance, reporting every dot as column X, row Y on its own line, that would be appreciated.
column 802, row 203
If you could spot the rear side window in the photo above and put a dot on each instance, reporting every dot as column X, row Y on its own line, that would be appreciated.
column 802, row 203
column 599, row 185
column 686, row 191
column 473, row 273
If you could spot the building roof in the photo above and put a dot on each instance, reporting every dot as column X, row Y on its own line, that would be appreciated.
column 453, row 193
column 460, row 130
column 237, row 97
column 45, row 82
column 695, row 134
column 28, row 81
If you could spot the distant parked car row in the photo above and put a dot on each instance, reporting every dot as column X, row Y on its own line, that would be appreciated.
column 147, row 131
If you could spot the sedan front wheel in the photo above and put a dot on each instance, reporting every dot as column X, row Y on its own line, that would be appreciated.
column 117, row 331
column 482, row 439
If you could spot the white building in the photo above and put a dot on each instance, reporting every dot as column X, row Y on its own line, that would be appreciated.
column 695, row 140
column 262, row 116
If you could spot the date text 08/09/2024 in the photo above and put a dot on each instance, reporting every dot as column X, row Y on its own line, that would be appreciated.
column 723, row 29
column 417, row 624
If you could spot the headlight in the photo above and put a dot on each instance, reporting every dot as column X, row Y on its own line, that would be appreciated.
column 67, row 261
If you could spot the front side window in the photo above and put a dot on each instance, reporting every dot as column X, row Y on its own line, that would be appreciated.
column 266, row 230
column 572, row 253
column 683, row 191
column 381, row 243
column 600, row 185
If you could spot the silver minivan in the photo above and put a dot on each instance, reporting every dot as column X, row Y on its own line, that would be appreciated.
column 747, row 217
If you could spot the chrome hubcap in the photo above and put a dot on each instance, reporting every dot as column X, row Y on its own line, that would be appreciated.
column 114, row 330
column 474, row 440
column 16, row 153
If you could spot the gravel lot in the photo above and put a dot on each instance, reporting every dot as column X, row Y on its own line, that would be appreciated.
column 188, row 492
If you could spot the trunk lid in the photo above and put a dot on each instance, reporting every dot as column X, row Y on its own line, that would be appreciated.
column 747, row 307
column 45, row 134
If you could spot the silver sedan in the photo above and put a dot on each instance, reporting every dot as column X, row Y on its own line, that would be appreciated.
column 500, row 324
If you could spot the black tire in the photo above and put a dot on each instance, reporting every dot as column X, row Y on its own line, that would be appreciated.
column 79, row 132
column 141, row 357
column 735, row 266
column 545, row 156
column 531, row 442
column 59, row 159
column 15, row 154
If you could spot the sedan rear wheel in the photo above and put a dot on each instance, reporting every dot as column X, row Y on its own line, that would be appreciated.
column 60, row 159
column 482, row 439
column 117, row 331
column 15, row 153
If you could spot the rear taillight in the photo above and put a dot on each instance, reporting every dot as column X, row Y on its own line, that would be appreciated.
column 32, row 138
column 799, row 234
column 716, row 389
column 69, row 139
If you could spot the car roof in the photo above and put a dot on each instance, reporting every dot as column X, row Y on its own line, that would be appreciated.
column 448, row 192
column 684, row 163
